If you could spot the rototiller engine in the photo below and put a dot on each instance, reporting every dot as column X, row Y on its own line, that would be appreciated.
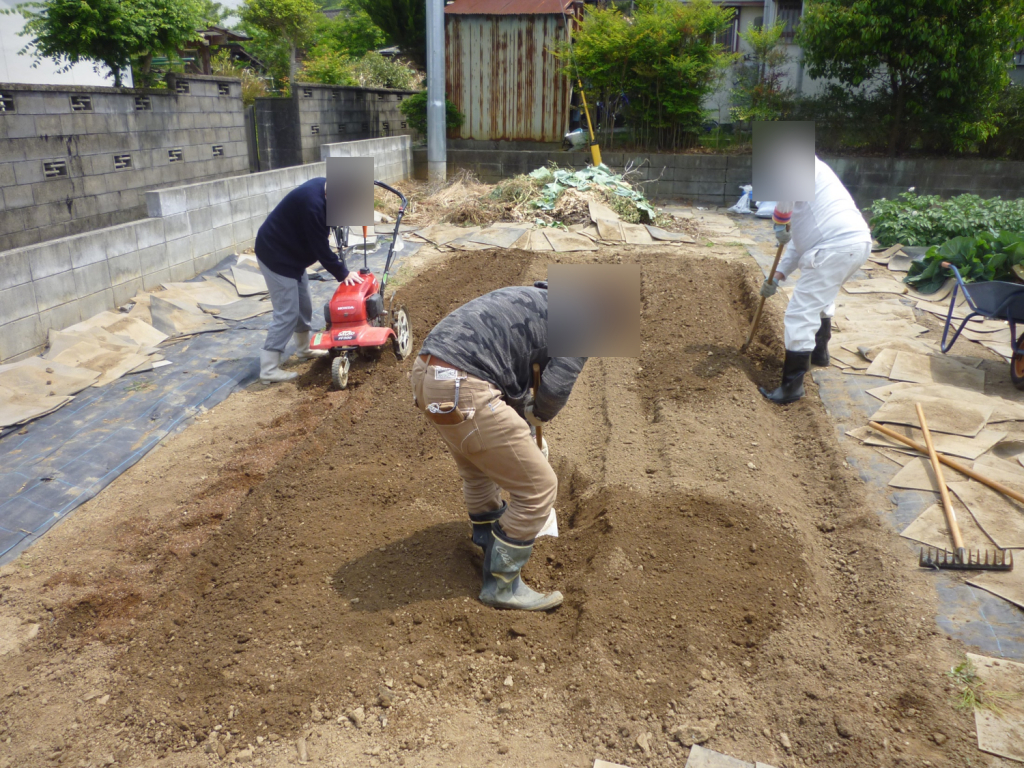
column 359, row 319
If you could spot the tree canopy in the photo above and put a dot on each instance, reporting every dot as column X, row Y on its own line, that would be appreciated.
column 108, row 32
column 404, row 23
column 939, row 65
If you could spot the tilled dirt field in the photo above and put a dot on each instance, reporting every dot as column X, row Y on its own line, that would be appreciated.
column 312, row 598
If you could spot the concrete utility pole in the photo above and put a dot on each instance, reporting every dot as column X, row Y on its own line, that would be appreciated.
column 437, row 159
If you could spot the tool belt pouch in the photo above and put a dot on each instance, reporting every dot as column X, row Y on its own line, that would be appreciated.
column 446, row 419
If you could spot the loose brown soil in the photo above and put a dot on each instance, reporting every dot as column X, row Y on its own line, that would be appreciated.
column 293, row 576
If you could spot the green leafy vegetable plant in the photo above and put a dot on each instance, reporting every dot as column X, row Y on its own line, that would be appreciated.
column 924, row 220
column 986, row 256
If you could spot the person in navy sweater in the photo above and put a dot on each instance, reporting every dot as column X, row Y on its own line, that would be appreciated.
column 293, row 237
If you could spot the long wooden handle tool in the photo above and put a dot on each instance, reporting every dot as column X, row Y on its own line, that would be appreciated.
column 760, row 306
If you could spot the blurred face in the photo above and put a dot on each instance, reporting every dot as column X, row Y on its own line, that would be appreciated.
column 594, row 310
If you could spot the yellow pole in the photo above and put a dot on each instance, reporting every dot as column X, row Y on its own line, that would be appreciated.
column 595, row 151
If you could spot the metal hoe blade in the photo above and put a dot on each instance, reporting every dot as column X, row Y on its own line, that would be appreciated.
column 968, row 560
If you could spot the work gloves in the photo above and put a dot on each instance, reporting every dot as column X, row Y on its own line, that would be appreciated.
column 531, row 419
column 768, row 288
column 782, row 234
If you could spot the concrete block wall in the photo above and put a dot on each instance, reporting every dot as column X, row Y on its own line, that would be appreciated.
column 113, row 144
column 716, row 179
column 291, row 131
column 64, row 281
column 392, row 156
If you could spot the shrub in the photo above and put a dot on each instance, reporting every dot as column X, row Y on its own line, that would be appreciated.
column 415, row 110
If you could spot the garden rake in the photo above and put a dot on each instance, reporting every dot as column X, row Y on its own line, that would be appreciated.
column 962, row 559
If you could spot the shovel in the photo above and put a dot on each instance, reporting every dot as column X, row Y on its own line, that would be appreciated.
column 961, row 560
column 760, row 307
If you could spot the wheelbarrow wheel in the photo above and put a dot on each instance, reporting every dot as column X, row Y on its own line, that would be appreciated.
column 402, row 343
column 1017, row 366
column 339, row 371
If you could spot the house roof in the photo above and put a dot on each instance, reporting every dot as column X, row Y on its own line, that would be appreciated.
column 508, row 7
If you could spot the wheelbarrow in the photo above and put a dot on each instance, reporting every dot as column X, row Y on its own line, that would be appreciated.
column 993, row 300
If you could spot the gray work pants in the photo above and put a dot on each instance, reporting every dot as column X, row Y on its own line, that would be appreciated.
column 293, row 308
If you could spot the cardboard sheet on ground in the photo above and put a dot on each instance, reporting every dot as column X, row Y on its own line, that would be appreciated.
column 889, row 329
column 1001, row 733
column 567, row 242
column 917, row 475
column 206, row 291
column 939, row 295
column 917, row 346
column 896, row 457
column 636, row 234
column 601, row 212
column 732, row 240
column 1003, row 410
column 933, row 369
column 442, row 234
column 18, row 407
column 610, row 231
column 883, row 363
column 1000, row 336
column 1009, row 585
column 499, row 237
column 951, row 445
column 238, row 310
column 34, row 375
column 1000, row 517
column 883, row 256
column 930, row 529
column 248, row 283
column 900, row 262
column 463, row 244
column 875, row 285
column 1003, row 350
column 947, row 416
column 708, row 758
column 1004, row 467
column 174, row 321
column 121, row 324
column 77, row 351
column 537, row 242
column 848, row 359
column 660, row 234
column 859, row 313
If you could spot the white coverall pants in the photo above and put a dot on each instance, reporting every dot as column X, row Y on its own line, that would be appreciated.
column 822, row 274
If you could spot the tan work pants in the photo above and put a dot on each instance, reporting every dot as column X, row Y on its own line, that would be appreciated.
column 492, row 448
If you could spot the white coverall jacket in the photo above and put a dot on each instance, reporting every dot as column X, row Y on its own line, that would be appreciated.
column 830, row 242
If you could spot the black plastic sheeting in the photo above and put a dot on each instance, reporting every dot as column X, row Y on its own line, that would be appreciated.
column 56, row 463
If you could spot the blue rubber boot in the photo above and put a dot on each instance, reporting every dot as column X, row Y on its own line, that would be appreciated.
column 503, row 587
column 482, row 524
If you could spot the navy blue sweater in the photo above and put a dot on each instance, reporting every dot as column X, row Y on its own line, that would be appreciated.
column 295, row 234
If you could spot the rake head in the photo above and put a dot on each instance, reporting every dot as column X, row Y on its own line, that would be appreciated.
column 968, row 560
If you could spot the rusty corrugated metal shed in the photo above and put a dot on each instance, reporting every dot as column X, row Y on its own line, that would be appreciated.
column 508, row 7
column 501, row 74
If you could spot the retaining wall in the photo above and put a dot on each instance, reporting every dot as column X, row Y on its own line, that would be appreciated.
column 189, row 229
column 291, row 131
column 715, row 179
column 74, row 159
column 392, row 156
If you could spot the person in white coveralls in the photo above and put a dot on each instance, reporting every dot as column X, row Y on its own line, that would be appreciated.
column 828, row 241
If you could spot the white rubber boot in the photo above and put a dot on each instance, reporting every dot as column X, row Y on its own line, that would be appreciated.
column 304, row 352
column 270, row 372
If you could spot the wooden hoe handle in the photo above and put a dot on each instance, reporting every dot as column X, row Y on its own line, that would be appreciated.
column 760, row 306
column 947, row 506
column 536, row 389
column 993, row 484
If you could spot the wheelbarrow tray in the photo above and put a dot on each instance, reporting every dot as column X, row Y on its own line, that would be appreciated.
column 992, row 300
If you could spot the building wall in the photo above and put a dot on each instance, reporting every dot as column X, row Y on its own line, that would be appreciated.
column 716, row 179
column 189, row 229
column 292, row 131
column 74, row 159
column 501, row 74
column 392, row 157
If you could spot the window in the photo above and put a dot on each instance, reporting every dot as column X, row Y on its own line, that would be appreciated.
column 789, row 12
column 143, row 104
column 55, row 169
column 218, row 150
column 182, row 89
column 122, row 162
column 730, row 37
column 6, row 102
column 81, row 104
column 223, row 89
column 175, row 155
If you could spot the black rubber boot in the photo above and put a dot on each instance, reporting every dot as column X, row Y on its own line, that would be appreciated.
column 482, row 524
column 819, row 356
column 503, row 587
column 794, row 367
